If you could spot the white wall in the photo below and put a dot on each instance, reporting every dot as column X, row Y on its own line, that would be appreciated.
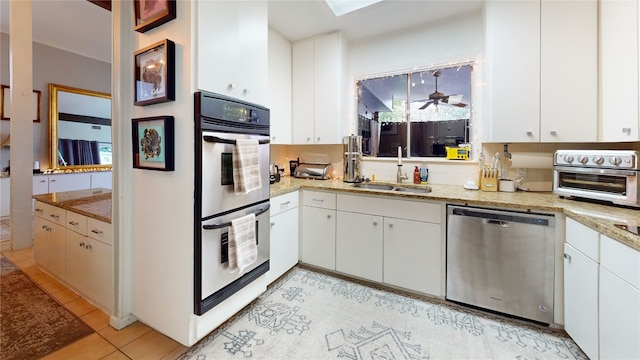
column 51, row 65
column 454, row 40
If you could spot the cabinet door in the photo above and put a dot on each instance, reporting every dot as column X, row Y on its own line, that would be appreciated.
column 99, row 273
column 280, row 88
column 5, row 196
column 569, row 74
column 359, row 245
column 318, row 245
column 413, row 255
column 302, row 105
column 76, row 260
column 513, row 47
column 69, row 182
column 619, row 70
column 40, row 185
column 40, row 241
column 326, row 80
column 252, row 54
column 581, row 300
column 284, row 243
column 619, row 318
column 57, row 251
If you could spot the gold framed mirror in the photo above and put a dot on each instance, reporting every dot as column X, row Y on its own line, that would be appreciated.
column 79, row 128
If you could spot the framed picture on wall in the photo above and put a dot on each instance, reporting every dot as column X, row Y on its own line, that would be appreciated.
column 153, row 13
column 154, row 77
column 153, row 143
column 5, row 104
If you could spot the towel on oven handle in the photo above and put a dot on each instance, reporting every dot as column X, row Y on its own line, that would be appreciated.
column 246, row 166
column 243, row 250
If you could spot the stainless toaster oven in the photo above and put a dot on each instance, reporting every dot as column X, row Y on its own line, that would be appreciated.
column 604, row 175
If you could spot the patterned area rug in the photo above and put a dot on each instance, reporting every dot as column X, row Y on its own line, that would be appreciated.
column 32, row 323
column 309, row 315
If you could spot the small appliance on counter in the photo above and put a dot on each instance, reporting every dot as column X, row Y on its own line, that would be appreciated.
column 274, row 173
column 313, row 171
column 457, row 153
column 352, row 158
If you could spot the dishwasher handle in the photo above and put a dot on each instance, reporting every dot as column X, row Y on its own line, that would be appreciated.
column 501, row 223
column 494, row 217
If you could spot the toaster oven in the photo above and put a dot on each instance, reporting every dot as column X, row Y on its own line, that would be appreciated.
column 603, row 175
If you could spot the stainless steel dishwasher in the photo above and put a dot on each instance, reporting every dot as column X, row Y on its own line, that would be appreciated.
column 501, row 260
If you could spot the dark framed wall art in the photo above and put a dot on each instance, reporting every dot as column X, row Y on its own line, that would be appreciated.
column 5, row 104
column 155, row 73
column 153, row 143
column 152, row 13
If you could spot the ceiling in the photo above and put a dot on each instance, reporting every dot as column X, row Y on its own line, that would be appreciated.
column 81, row 27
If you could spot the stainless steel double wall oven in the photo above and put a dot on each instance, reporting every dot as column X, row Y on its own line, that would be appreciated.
column 219, row 122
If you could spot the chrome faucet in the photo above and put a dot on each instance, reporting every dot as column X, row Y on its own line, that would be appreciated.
column 400, row 176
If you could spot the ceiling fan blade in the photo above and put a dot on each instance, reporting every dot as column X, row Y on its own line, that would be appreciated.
column 425, row 105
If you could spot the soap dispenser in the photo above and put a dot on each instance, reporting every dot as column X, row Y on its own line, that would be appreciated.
column 416, row 175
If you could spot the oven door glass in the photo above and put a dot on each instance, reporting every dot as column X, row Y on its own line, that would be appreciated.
column 593, row 182
column 215, row 265
column 218, row 193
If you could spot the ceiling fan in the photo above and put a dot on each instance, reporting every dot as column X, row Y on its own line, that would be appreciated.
column 437, row 97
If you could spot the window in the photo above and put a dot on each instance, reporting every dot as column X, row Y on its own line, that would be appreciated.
column 423, row 111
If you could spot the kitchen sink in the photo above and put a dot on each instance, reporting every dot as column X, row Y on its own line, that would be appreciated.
column 412, row 190
column 373, row 186
column 399, row 188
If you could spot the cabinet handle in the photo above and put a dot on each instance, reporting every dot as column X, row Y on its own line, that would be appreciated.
column 42, row 181
column 273, row 224
column 626, row 130
column 328, row 216
column 231, row 86
column 375, row 223
column 40, row 211
column 319, row 200
column 73, row 223
column 568, row 257
column 88, row 247
column 308, row 138
column 96, row 231
column 318, row 139
column 390, row 225
column 81, row 244
column 55, row 216
column 285, row 203
column 44, row 227
column 52, row 180
column 529, row 133
column 553, row 133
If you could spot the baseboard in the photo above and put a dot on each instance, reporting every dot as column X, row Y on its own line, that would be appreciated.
column 123, row 322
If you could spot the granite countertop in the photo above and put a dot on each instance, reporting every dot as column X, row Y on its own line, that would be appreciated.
column 599, row 217
column 93, row 203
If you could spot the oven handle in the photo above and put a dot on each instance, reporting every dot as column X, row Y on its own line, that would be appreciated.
column 228, row 223
column 596, row 171
column 215, row 139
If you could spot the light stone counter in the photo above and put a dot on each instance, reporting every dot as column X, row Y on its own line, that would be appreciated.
column 595, row 216
column 94, row 203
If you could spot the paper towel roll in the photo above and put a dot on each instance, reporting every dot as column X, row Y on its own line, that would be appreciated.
column 532, row 160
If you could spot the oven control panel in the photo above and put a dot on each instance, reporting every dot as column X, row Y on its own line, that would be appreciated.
column 617, row 159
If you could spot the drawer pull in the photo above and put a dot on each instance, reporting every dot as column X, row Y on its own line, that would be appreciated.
column 273, row 224
column 390, row 225
column 88, row 247
column 375, row 223
column 285, row 203
column 40, row 211
column 55, row 216
column 568, row 257
column 97, row 231
column 74, row 223
column 81, row 244
column 320, row 200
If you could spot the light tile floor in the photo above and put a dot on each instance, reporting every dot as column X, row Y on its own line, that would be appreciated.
column 136, row 341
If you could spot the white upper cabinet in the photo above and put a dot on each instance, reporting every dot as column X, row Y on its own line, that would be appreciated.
column 569, row 71
column 619, row 70
column 232, row 42
column 542, row 58
column 318, row 91
column 279, row 88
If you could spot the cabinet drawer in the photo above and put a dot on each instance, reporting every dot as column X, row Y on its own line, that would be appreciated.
column 583, row 238
column 49, row 212
column 283, row 202
column 621, row 260
column 403, row 209
column 76, row 222
column 324, row 200
column 99, row 230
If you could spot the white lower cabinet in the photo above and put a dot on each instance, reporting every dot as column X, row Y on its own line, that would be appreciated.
column 359, row 245
column 412, row 255
column 619, row 300
column 396, row 242
column 77, row 250
column 318, row 229
column 581, row 300
column 601, row 294
column 284, row 235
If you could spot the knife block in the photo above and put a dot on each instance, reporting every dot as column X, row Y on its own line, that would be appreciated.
column 489, row 182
